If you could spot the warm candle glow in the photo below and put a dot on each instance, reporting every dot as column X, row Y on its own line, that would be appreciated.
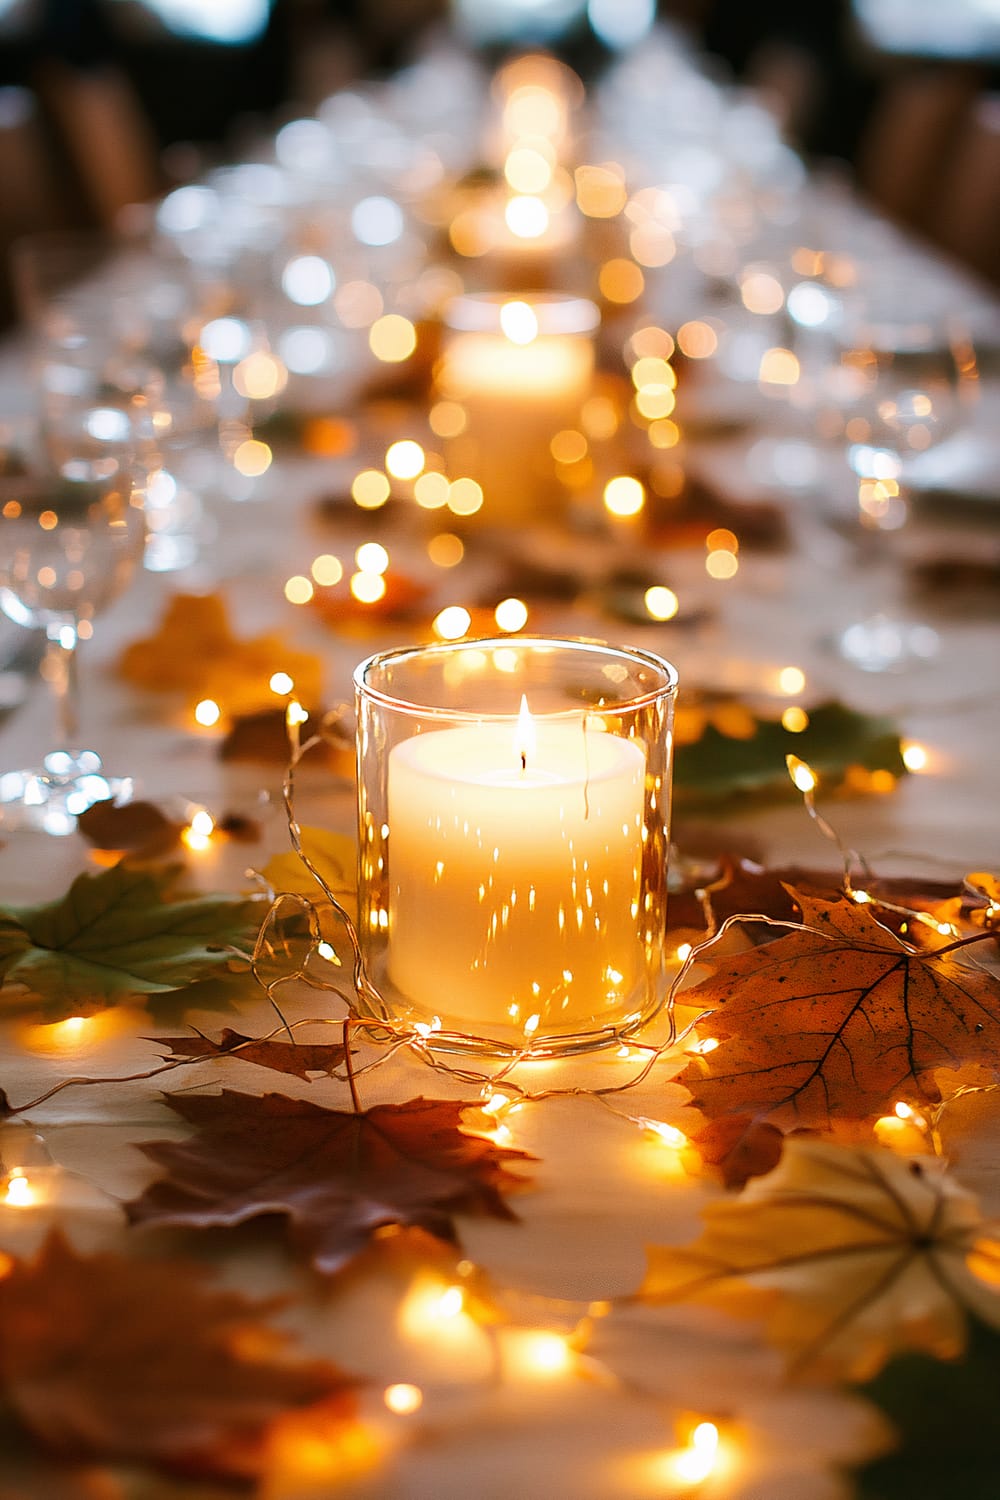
column 525, row 739
column 515, row 872
column 519, row 322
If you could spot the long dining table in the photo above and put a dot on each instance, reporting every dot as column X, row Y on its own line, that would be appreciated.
column 250, row 1239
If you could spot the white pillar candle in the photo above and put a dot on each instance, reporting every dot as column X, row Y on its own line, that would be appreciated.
column 522, row 369
column 514, row 875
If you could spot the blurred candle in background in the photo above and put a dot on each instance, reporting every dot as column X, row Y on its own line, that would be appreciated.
column 521, row 369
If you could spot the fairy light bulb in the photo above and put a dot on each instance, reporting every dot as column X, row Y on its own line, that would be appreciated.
column 402, row 1398
column 198, row 833
column 537, row 1353
column 802, row 775
column 668, row 1134
column 450, row 1303
column 914, row 757
column 695, row 1463
column 19, row 1192
column 207, row 713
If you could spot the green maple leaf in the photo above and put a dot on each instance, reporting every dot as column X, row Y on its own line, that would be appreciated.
column 717, row 766
column 116, row 936
column 945, row 1419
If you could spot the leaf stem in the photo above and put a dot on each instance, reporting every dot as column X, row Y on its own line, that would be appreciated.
column 349, row 1068
column 966, row 942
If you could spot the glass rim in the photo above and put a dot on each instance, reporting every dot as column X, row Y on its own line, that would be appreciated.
column 386, row 700
column 557, row 312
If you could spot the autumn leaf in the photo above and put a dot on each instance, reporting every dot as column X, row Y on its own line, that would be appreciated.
column 195, row 651
column 138, row 1361
column 738, row 1147
column 140, row 828
column 849, row 1254
column 721, row 763
column 335, row 857
column 296, row 1058
column 262, row 736
column 335, row 1177
column 116, row 936
column 732, row 883
column 836, row 1019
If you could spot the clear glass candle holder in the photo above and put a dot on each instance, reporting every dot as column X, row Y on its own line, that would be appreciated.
column 514, row 812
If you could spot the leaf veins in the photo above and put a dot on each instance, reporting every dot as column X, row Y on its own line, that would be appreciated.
column 836, row 1020
column 116, row 936
column 335, row 1177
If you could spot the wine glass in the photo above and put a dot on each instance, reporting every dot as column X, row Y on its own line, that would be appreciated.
column 71, row 536
column 106, row 323
column 902, row 376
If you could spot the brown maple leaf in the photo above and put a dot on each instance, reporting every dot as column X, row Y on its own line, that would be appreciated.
column 298, row 1059
column 105, row 1359
column 836, row 1019
column 732, row 883
column 334, row 1176
column 138, row 828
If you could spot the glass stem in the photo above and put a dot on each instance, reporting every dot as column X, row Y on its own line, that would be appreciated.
column 60, row 672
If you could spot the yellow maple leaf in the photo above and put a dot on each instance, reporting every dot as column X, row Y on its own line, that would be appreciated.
column 334, row 856
column 195, row 651
column 850, row 1255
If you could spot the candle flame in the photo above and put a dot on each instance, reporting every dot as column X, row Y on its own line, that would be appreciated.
column 524, row 735
column 519, row 322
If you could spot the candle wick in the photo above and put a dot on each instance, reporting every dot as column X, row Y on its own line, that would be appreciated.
column 524, row 761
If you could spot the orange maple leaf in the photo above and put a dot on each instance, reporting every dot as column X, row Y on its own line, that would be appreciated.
column 835, row 1019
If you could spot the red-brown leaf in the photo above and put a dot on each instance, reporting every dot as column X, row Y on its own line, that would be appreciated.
column 333, row 1176
column 739, row 1147
column 836, row 1020
column 105, row 1359
column 298, row 1059
column 735, row 883
column 138, row 828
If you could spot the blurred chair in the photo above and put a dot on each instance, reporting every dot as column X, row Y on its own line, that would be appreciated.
column 33, row 195
column 910, row 140
column 969, row 203
column 30, row 198
column 105, row 134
